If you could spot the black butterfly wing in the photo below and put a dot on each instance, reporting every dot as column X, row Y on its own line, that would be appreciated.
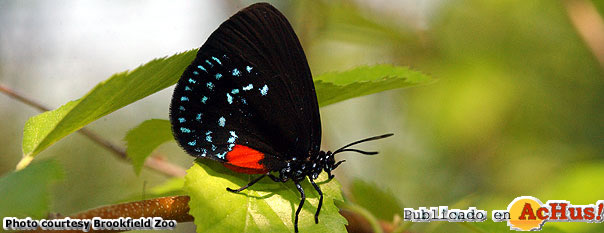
column 250, row 85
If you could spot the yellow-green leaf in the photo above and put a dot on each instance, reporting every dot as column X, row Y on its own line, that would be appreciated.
column 381, row 203
column 338, row 86
column 25, row 193
column 112, row 94
column 144, row 138
column 267, row 206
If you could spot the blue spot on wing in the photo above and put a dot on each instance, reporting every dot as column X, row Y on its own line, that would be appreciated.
column 192, row 143
column 232, row 137
column 181, row 120
column 181, row 108
column 185, row 130
column 184, row 98
column 192, row 80
column 216, row 59
column 235, row 91
column 210, row 85
column 195, row 73
column 236, row 72
column 248, row 87
column 187, row 88
column 198, row 118
column 218, row 76
column 209, row 63
column 202, row 68
column 248, row 68
column 204, row 99
column 221, row 121
column 264, row 90
column 229, row 98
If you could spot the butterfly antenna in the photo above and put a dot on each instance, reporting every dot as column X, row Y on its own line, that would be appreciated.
column 344, row 148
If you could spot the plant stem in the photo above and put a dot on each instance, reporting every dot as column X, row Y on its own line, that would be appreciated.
column 373, row 221
column 153, row 162
column 403, row 227
column 168, row 208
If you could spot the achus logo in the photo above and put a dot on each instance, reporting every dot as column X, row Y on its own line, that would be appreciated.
column 527, row 213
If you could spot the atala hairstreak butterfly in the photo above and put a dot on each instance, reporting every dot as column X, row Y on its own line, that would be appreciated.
column 248, row 101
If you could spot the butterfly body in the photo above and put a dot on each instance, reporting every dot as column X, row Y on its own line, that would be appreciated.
column 248, row 101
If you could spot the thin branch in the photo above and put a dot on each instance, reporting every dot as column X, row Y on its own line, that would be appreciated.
column 18, row 96
column 173, row 208
column 588, row 22
column 154, row 162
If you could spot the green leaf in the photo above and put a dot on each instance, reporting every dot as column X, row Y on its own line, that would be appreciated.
column 338, row 86
column 112, row 94
column 144, row 138
column 382, row 204
column 36, row 127
column 267, row 206
column 171, row 187
column 25, row 193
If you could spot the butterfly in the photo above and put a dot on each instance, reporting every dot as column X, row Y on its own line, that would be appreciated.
column 248, row 101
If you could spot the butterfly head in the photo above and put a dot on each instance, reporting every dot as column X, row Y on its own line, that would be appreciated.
column 329, row 163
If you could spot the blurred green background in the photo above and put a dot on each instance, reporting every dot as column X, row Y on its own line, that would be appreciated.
column 517, row 108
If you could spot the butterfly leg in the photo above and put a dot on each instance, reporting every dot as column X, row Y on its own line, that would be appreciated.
column 299, row 187
column 329, row 175
column 320, row 199
column 274, row 178
column 246, row 186
column 338, row 164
